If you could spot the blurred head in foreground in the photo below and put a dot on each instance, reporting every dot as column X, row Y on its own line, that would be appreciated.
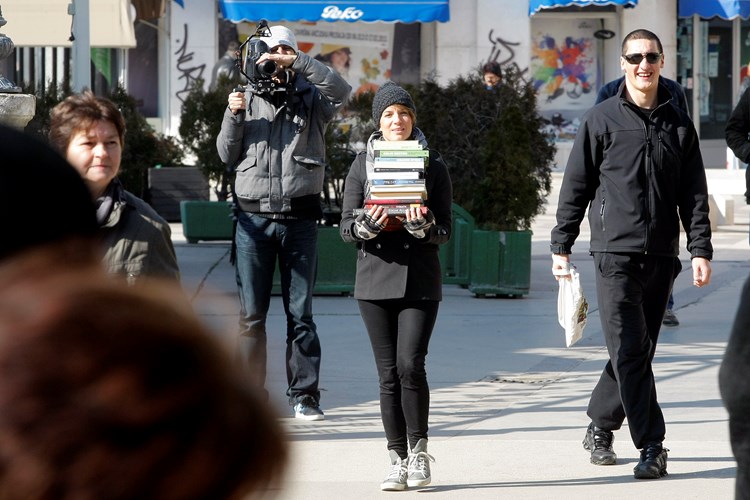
column 42, row 198
column 114, row 392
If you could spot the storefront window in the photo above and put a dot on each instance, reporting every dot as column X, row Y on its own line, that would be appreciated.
column 715, row 106
column 706, row 75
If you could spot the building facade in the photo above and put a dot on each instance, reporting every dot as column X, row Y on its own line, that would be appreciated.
column 567, row 48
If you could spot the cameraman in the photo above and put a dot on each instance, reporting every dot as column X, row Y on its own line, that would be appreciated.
column 273, row 135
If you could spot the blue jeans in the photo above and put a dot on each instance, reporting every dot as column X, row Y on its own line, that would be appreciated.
column 260, row 241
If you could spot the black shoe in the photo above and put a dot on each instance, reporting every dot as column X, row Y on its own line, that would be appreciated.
column 670, row 319
column 599, row 443
column 653, row 463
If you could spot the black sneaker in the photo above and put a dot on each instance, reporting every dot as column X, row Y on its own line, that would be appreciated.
column 599, row 443
column 653, row 462
column 670, row 319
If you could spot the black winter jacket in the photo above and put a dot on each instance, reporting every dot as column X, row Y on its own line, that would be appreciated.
column 635, row 173
column 394, row 264
column 737, row 130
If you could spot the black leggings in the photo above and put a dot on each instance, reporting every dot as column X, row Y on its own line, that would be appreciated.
column 399, row 332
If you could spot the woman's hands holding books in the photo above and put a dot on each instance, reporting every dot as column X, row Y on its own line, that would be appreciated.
column 417, row 222
column 369, row 224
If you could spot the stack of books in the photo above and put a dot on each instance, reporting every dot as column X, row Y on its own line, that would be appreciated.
column 396, row 178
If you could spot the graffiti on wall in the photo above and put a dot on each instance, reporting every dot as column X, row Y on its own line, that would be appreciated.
column 188, row 71
column 503, row 52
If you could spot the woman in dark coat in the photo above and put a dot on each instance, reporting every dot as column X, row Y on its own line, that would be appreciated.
column 399, row 286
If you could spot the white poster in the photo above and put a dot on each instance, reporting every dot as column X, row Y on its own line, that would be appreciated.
column 362, row 54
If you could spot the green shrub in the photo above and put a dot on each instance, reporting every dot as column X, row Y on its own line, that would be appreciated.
column 498, row 157
column 144, row 148
column 200, row 124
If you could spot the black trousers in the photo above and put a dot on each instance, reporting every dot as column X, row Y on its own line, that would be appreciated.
column 400, row 332
column 632, row 292
column 735, row 392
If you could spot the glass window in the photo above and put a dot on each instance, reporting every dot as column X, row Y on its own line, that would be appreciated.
column 716, row 101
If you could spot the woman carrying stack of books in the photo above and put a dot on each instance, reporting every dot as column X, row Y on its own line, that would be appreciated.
column 399, row 283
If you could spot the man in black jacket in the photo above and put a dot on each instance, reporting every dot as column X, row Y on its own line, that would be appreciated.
column 635, row 164
column 678, row 99
column 737, row 130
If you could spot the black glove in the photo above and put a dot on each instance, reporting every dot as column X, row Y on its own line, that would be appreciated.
column 418, row 227
column 365, row 227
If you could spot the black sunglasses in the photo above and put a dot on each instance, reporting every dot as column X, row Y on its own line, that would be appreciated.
column 651, row 58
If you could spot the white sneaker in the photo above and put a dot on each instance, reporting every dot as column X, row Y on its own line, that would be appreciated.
column 308, row 409
column 396, row 478
column 419, row 465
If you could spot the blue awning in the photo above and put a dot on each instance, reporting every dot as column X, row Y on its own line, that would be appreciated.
column 404, row 11
column 537, row 5
column 727, row 9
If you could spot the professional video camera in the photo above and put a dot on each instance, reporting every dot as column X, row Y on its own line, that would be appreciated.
column 258, row 75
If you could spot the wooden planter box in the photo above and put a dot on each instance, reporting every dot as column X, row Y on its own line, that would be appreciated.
column 455, row 256
column 500, row 263
column 169, row 186
column 206, row 220
column 337, row 260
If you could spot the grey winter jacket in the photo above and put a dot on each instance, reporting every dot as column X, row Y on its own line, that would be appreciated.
column 278, row 153
column 137, row 241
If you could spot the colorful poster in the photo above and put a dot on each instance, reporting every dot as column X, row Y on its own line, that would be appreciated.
column 564, row 71
column 362, row 56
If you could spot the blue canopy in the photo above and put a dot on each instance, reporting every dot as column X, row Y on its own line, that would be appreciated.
column 537, row 5
column 727, row 9
column 404, row 11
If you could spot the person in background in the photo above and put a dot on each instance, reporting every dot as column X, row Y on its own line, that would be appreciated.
column 627, row 148
column 679, row 99
column 338, row 57
column 398, row 287
column 226, row 67
column 492, row 75
column 119, row 392
column 90, row 131
column 275, row 143
column 735, row 392
column 736, row 133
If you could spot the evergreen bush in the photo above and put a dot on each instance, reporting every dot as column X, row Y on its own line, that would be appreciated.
column 144, row 148
column 200, row 124
column 492, row 142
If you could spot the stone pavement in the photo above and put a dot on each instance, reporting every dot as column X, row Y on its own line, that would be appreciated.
column 508, row 407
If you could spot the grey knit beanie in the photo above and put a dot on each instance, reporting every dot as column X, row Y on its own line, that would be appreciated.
column 387, row 95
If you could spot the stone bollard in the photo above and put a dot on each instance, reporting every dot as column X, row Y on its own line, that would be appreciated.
column 16, row 110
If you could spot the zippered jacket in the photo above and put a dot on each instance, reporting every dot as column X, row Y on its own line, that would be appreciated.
column 278, row 152
column 638, row 175
column 737, row 130
column 138, row 241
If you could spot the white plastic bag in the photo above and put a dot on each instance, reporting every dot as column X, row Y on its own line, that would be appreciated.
column 572, row 307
